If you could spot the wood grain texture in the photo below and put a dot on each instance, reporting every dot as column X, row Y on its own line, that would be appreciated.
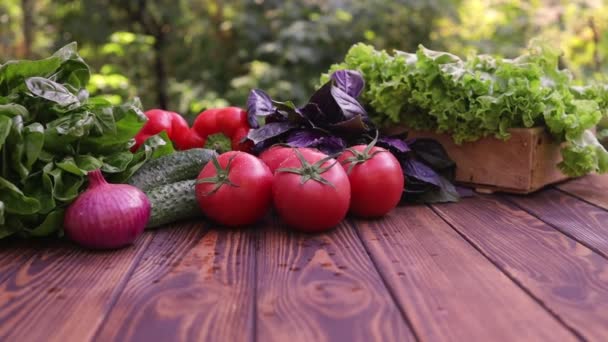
column 13, row 253
column 449, row 291
column 322, row 287
column 591, row 188
column 567, row 277
column 63, row 293
column 582, row 221
column 192, row 284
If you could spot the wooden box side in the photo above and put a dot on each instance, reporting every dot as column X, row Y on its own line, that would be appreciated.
column 524, row 163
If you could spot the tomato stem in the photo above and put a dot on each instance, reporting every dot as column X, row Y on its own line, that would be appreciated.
column 310, row 171
column 361, row 157
column 221, row 177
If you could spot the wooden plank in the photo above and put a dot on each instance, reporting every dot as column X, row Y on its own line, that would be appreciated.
column 189, row 286
column 567, row 277
column 449, row 291
column 584, row 222
column 322, row 287
column 591, row 188
column 64, row 292
column 15, row 252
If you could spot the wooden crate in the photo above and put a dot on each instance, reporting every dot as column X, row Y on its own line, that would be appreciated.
column 522, row 164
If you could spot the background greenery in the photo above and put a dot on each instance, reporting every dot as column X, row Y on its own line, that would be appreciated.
column 186, row 55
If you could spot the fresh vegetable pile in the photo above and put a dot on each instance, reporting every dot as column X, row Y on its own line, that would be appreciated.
column 52, row 134
column 482, row 95
column 334, row 119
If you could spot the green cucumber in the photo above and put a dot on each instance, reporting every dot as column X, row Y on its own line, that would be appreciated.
column 173, row 202
column 172, row 168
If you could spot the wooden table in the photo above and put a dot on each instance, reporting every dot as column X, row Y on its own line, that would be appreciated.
column 489, row 268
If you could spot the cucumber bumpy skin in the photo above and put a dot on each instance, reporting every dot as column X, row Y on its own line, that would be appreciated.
column 178, row 166
column 173, row 202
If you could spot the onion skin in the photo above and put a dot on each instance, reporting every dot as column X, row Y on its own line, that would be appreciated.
column 107, row 216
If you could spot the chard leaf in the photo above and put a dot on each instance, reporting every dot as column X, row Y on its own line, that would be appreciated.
column 5, row 128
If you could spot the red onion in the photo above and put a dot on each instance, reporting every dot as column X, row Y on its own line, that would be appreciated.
column 107, row 215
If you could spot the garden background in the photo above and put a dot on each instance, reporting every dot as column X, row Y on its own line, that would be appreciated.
column 187, row 55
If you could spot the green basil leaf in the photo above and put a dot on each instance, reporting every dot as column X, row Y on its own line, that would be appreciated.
column 13, row 109
column 50, row 90
column 69, row 165
column 33, row 137
column 40, row 187
column 65, row 185
column 12, row 73
column 16, row 147
column 51, row 224
column 5, row 128
column 88, row 163
column 15, row 201
column 1, row 214
column 117, row 162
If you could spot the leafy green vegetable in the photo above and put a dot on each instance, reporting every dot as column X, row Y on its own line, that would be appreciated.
column 482, row 95
column 52, row 134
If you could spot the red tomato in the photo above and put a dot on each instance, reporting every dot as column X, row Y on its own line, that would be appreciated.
column 275, row 155
column 376, row 181
column 315, row 200
column 237, row 191
column 230, row 119
column 206, row 124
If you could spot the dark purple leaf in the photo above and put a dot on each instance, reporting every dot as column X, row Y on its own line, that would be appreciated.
column 353, row 126
column 313, row 138
column 349, row 105
column 258, row 104
column 349, row 81
column 394, row 144
column 268, row 131
column 416, row 169
column 326, row 103
column 313, row 113
column 433, row 154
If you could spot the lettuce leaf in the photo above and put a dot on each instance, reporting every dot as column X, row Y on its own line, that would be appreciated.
column 482, row 95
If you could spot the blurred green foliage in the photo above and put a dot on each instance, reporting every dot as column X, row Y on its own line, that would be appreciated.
column 187, row 55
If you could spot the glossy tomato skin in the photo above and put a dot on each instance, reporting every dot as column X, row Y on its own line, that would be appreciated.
column 376, row 184
column 239, row 205
column 311, row 206
column 275, row 155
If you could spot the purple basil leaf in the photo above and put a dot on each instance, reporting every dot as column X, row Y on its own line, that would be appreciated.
column 313, row 114
column 446, row 192
column 464, row 191
column 313, row 138
column 353, row 126
column 349, row 105
column 394, row 144
column 326, row 103
column 258, row 104
column 349, row 81
column 416, row 169
column 268, row 131
column 433, row 154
